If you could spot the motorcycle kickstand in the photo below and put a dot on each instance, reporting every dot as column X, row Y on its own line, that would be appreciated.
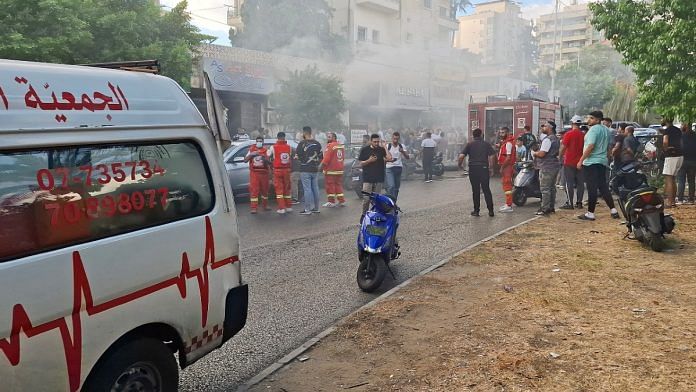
column 390, row 272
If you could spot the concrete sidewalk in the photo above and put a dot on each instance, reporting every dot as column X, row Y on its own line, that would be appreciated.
column 558, row 305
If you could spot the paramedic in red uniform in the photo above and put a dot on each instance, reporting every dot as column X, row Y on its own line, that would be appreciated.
column 332, row 164
column 258, row 175
column 506, row 160
column 281, row 155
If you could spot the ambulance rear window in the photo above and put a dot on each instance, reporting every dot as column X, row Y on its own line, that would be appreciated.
column 55, row 197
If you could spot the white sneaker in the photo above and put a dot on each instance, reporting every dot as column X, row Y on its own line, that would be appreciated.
column 288, row 209
column 281, row 211
column 328, row 204
column 342, row 204
column 506, row 208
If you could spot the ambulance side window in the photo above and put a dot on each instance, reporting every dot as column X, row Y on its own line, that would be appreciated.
column 60, row 196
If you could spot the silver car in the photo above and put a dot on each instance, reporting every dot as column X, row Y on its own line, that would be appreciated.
column 238, row 170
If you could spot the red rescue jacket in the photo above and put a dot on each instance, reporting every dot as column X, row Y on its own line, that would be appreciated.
column 259, row 163
column 333, row 158
column 282, row 155
column 503, row 153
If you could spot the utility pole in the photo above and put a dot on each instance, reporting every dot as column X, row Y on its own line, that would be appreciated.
column 553, row 62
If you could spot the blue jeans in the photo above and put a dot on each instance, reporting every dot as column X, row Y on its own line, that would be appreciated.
column 393, row 181
column 310, row 185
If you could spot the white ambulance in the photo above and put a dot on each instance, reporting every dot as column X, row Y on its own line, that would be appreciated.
column 119, row 252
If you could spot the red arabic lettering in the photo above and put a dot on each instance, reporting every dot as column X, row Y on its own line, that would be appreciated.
column 72, row 343
column 3, row 99
column 68, row 101
column 72, row 212
column 46, row 179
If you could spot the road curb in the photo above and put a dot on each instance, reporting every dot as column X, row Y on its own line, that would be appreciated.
column 279, row 364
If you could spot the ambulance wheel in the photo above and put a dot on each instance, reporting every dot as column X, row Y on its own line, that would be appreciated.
column 519, row 197
column 146, row 365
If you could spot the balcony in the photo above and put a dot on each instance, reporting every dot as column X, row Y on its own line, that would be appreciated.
column 448, row 23
column 385, row 6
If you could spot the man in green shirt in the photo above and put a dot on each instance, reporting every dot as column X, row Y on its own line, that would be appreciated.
column 594, row 163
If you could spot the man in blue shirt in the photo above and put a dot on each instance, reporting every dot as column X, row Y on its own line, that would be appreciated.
column 594, row 163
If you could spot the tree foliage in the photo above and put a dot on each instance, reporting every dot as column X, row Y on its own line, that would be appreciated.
column 89, row 31
column 656, row 38
column 623, row 105
column 589, row 84
column 305, row 30
column 309, row 98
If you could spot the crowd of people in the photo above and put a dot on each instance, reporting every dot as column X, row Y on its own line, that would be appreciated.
column 381, row 161
column 578, row 160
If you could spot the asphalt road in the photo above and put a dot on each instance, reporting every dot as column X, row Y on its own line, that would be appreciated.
column 301, row 270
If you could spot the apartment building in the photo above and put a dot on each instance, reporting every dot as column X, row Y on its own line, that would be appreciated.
column 497, row 32
column 572, row 33
column 404, row 70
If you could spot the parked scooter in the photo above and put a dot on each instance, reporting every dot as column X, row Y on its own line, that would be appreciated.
column 438, row 166
column 377, row 244
column 411, row 165
column 356, row 182
column 642, row 207
column 526, row 184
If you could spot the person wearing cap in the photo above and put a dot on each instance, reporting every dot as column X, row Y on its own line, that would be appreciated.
column 571, row 151
column 281, row 155
column 549, row 165
column 594, row 162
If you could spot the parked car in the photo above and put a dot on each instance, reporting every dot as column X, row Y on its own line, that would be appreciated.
column 619, row 124
column 238, row 170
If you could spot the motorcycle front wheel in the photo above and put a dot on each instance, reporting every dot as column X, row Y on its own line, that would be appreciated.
column 519, row 197
column 655, row 241
column 371, row 272
column 439, row 170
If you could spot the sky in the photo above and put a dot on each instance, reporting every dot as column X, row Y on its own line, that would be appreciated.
column 211, row 15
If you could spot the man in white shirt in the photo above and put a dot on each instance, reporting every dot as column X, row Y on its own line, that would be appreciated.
column 395, row 166
column 428, row 146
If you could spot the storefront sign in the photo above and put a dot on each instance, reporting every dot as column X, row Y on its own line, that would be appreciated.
column 239, row 77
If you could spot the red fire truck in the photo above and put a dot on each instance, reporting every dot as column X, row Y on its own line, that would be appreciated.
column 492, row 115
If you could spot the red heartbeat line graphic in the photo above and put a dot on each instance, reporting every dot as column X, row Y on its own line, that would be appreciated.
column 4, row 99
column 61, row 118
column 72, row 343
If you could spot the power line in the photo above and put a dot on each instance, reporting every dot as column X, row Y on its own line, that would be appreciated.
column 200, row 16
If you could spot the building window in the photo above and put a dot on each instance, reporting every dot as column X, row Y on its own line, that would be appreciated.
column 443, row 12
column 362, row 33
column 375, row 36
column 428, row 4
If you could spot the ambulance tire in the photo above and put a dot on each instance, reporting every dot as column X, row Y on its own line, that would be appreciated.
column 146, row 364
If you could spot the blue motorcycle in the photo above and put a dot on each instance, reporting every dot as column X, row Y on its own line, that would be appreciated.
column 377, row 244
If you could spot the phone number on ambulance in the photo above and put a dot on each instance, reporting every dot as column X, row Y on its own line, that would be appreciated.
column 106, row 206
column 117, row 171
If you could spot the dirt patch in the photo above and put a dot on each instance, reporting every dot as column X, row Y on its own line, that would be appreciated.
column 556, row 305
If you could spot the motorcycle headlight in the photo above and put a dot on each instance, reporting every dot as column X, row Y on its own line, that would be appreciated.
column 376, row 230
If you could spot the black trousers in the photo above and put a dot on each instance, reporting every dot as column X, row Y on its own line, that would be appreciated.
column 480, row 178
column 596, row 180
column 428, row 166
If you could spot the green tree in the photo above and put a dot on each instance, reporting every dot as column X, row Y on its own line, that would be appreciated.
column 309, row 98
column 656, row 39
column 305, row 29
column 589, row 83
column 623, row 105
column 89, row 31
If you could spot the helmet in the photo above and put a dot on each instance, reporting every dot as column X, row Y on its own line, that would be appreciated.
column 576, row 119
